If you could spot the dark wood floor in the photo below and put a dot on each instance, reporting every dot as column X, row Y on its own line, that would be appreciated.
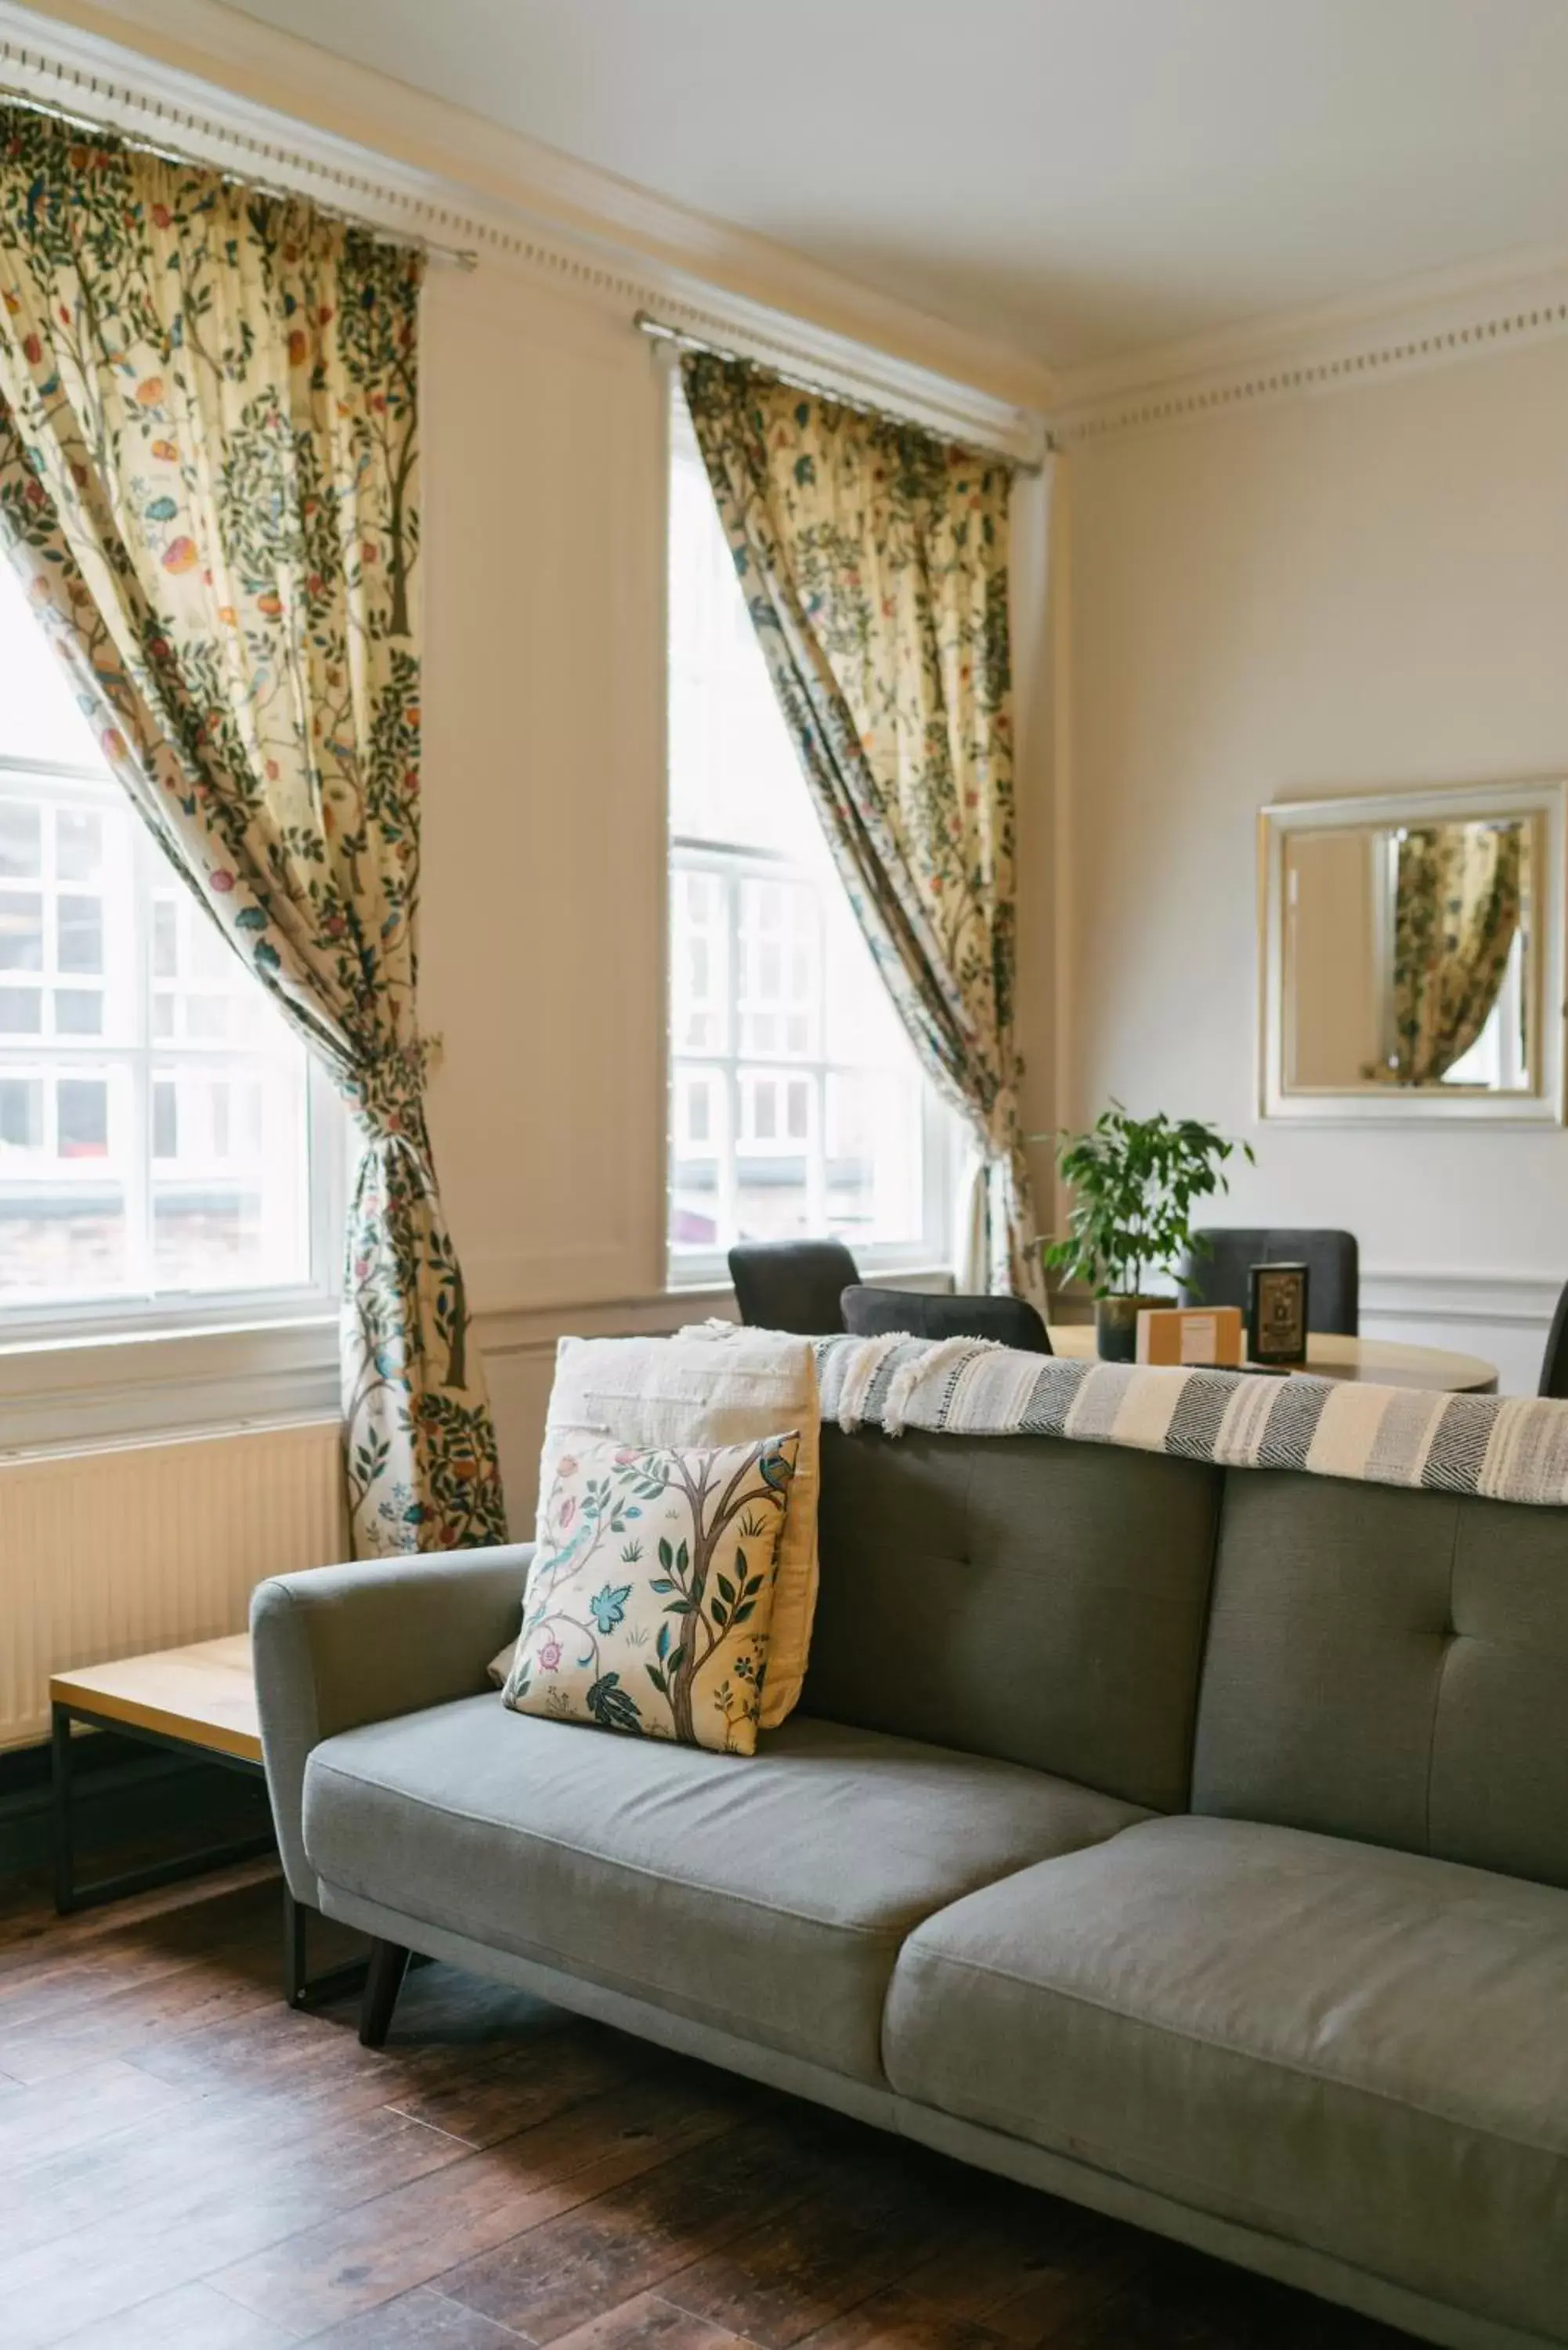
column 185, row 2165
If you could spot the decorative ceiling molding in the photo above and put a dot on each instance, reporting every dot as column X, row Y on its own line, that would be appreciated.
column 250, row 99
column 1428, row 322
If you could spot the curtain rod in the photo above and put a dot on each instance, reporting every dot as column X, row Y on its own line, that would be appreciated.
column 457, row 256
column 659, row 331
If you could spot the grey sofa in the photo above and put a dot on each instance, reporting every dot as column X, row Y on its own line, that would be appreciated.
column 1193, row 1843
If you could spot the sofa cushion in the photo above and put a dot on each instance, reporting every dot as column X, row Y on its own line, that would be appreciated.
column 1019, row 1596
column 1362, row 2050
column 1389, row 1666
column 767, row 1896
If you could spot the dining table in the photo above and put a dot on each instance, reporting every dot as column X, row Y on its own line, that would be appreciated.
column 1385, row 1362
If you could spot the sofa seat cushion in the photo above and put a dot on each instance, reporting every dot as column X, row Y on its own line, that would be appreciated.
column 1360, row 2050
column 766, row 1897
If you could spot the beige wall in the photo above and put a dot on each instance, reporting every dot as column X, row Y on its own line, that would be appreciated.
column 1347, row 593
column 544, row 794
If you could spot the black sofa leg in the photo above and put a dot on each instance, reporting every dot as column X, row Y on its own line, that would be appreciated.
column 389, row 1963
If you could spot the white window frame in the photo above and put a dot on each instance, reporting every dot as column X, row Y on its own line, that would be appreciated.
column 85, row 1368
column 930, row 1253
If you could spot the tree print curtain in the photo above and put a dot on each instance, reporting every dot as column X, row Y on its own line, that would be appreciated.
column 208, row 483
column 874, row 561
column 1456, row 914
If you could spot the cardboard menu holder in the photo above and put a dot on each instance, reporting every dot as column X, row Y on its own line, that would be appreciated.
column 1209, row 1336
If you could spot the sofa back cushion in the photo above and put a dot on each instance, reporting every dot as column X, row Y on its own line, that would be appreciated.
column 1038, row 1601
column 1391, row 1665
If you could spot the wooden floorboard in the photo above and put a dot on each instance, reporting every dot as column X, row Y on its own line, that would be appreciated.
column 187, row 2165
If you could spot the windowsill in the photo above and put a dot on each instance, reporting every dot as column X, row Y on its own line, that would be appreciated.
column 138, row 1385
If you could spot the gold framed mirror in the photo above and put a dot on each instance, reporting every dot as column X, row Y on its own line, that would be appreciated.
column 1412, row 955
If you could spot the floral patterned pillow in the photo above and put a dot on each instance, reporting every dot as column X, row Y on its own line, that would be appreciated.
column 651, row 1596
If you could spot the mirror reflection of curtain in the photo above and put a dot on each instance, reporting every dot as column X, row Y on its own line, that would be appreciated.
column 1456, row 916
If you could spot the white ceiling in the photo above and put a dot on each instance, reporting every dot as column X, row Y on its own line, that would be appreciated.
column 1079, row 178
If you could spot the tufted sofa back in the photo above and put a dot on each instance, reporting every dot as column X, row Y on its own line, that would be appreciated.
column 1391, row 1665
column 1038, row 1601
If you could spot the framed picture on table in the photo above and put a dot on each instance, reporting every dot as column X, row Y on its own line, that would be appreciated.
column 1277, row 1314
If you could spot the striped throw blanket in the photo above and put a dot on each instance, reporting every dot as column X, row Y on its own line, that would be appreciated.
column 1504, row 1448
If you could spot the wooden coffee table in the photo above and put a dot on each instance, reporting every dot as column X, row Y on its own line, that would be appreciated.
column 200, row 1702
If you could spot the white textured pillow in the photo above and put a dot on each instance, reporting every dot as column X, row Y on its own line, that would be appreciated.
column 719, row 1384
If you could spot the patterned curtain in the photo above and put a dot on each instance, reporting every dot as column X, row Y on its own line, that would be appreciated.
column 874, row 561
column 208, row 483
column 1456, row 914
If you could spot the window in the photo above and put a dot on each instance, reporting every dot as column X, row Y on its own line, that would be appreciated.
column 155, row 1110
column 797, row 1103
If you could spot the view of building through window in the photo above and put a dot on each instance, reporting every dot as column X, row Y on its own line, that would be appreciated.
column 796, row 1102
column 153, row 1104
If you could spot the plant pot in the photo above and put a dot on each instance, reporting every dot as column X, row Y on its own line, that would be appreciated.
column 1115, row 1325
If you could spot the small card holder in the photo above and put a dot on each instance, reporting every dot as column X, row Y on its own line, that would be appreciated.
column 1207, row 1336
column 1277, row 1314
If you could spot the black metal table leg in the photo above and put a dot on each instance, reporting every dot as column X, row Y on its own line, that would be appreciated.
column 61, row 1806
column 300, row 1988
column 69, row 1893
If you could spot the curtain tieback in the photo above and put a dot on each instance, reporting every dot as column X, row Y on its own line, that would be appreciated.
column 387, row 1094
column 1001, row 1135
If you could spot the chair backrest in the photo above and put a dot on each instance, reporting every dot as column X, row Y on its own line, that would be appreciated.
column 1554, row 1362
column 1218, row 1277
column 872, row 1313
column 792, row 1285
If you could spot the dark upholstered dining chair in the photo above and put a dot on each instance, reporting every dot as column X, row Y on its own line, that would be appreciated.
column 871, row 1312
column 1331, row 1259
column 1554, row 1362
column 792, row 1285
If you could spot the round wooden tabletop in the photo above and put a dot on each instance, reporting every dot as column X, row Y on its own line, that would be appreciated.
column 1330, row 1357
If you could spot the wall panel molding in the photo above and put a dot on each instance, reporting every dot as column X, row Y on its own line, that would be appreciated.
column 1520, row 1301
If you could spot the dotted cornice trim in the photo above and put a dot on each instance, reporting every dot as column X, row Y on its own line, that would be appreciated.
column 1437, row 347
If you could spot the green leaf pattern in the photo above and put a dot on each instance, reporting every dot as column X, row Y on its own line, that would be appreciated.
column 675, row 1649
column 209, row 486
column 874, row 562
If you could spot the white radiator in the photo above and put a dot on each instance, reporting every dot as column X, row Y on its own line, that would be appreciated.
column 114, row 1552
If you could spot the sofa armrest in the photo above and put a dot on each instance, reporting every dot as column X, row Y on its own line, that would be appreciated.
column 338, row 1646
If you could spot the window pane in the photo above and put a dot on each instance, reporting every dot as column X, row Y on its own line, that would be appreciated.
column 21, row 1113
column 79, row 845
column 21, row 842
column 21, row 1011
column 79, row 934
column 165, row 1119
column 81, row 1110
column 21, row 929
column 206, row 1016
column 78, row 1012
column 220, row 1197
column 819, row 1116
column 41, row 719
column 165, row 938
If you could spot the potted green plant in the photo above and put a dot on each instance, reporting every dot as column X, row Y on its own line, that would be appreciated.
column 1134, row 1183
